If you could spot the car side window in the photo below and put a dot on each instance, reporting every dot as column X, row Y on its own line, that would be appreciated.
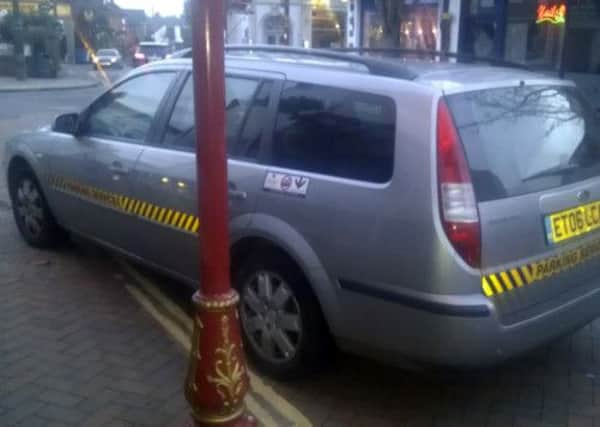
column 246, row 100
column 180, row 129
column 127, row 111
column 248, row 145
column 334, row 131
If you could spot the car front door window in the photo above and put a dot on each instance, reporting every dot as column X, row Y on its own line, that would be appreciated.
column 246, row 100
column 127, row 111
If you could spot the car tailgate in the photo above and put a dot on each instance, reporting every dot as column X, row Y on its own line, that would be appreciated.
column 534, row 155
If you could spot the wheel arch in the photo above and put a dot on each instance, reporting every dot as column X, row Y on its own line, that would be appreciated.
column 21, row 154
column 269, row 233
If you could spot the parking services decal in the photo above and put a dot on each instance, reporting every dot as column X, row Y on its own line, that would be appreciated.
column 509, row 280
column 160, row 215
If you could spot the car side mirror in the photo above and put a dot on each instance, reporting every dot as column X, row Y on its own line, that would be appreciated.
column 67, row 123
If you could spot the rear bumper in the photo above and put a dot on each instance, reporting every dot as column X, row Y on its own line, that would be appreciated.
column 396, row 331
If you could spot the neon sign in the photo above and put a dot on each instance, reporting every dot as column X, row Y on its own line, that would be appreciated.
column 555, row 14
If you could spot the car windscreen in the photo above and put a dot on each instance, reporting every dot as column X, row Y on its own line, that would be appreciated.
column 153, row 50
column 107, row 52
column 526, row 139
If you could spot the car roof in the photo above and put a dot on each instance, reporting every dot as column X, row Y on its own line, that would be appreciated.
column 459, row 77
column 448, row 76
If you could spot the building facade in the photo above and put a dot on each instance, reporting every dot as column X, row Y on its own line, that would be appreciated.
column 61, row 9
column 301, row 23
column 558, row 35
column 553, row 35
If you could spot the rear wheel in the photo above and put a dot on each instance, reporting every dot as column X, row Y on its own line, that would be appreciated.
column 283, row 328
column 31, row 212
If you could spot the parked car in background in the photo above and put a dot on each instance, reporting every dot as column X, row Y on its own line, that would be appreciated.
column 107, row 58
column 149, row 52
column 446, row 213
column 180, row 54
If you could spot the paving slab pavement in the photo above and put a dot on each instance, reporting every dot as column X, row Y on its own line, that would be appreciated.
column 75, row 348
column 71, row 77
column 9, row 84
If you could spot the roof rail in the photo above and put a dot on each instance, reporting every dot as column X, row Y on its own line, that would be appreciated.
column 432, row 54
column 376, row 66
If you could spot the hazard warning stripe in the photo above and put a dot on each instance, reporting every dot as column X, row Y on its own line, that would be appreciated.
column 529, row 274
column 162, row 215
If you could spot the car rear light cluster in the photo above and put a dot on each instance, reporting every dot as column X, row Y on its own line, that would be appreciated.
column 458, row 206
column 139, row 56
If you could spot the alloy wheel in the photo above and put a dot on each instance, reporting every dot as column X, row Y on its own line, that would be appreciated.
column 271, row 317
column 29, row 207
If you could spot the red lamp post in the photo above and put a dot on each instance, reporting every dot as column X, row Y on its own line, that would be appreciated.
column 217, row 378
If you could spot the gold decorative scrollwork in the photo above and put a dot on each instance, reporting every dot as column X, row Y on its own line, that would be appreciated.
column 229, row 371
column 191, row 387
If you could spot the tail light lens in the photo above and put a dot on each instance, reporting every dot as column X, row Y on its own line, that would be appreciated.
column 139, row 56
column 458, row 206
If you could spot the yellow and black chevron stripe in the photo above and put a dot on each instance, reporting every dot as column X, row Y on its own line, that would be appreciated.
column 498, row 283
column 158, row 214
column 518, row 277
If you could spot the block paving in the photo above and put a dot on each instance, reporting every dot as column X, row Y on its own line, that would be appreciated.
column 75, row 349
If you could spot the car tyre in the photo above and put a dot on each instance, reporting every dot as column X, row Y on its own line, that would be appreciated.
column 31, row 212
column 284, row 331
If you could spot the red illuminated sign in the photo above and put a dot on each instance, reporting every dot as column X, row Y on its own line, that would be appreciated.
column 555, row 14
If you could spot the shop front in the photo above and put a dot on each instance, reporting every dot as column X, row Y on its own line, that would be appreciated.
column 298, row 23
column 543, row 34
column 406, row 24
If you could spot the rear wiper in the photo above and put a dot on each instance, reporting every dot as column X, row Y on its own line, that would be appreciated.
column 557, row 170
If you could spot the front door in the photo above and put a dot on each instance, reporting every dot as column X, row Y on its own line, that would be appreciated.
column 91, row 172
column 165, row 176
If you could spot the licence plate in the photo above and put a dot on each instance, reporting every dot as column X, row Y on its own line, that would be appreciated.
column 574, row 222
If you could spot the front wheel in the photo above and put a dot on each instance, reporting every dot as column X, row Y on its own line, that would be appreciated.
column 282, row 325
column 32, row 214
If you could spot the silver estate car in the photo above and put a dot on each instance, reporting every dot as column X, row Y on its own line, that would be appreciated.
column 444, row 213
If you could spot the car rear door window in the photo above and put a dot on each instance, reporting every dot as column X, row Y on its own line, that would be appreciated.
column 127, row 111
column 334, row 131
column 526, row 139
column 246, row 104
column 248, row 144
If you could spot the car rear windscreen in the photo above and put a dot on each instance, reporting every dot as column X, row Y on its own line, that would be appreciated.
column 150, row 50
column 526, row 139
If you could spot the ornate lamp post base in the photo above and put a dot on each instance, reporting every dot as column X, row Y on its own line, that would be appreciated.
column 217, row 378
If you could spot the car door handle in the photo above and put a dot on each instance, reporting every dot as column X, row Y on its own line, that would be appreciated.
column 117, row 167
column 237, row 194
column 234, row 193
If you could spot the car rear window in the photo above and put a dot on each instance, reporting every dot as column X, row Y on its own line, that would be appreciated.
column 526, row 139
column 107, row 52
column 151, row 50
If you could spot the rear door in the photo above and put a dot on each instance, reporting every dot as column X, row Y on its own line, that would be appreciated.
column 332, row 160
column 534, row 155
column 165, row 178
column 92, row 171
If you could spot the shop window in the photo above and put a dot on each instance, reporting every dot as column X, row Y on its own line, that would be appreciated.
column 406, row 24
column 534, row 33
column 329, row 24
